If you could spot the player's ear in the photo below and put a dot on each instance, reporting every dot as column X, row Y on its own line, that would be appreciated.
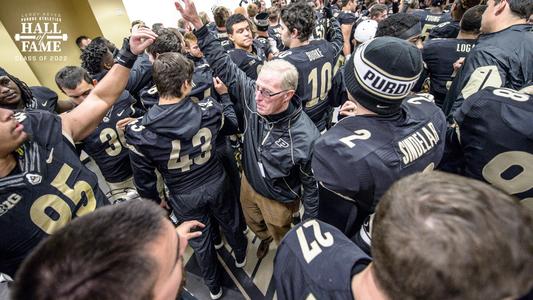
column 500, row 7
column 94, row 82
column 295, row 33
column 289, row 95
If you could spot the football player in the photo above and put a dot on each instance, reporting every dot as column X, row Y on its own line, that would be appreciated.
column 492, row 141
column 440, row 54
column 221, row 15
column 347, row 20
column 431, row 16
column 104, row 144
column 177, row 137
column 386, row 136
column 16, row 94
column 427, row 229
column 43, row 184
column 248, row 53
column 450, row 29
column 503, row 56
column 315, row 60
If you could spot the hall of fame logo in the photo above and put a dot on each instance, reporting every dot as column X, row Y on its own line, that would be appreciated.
column 40, row 34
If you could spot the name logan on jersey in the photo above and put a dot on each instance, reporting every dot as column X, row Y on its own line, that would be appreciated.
column 418, row 143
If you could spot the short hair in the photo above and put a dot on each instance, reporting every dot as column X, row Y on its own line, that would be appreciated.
column 461, row 6
column 345, row 3
column 182, row 23
column 441, row 236
column 234, row 19
column 301, row 17
column 220, row 14
column 520, row 8
column 157, row 26
column 170, row 71
column 377, row 9
column 70, row 76
column 396, row 24
column 189, row 38
column 252, row 9
column 273, row 14
column 289, row 73
column 136, row 22
column 166, row 41
column 92, row 56
column 80, row 39
column 103, row 41
column 204, row 17
column 102, row 255
column 471, row 21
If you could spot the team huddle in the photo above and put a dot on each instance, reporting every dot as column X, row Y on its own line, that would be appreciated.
column 385, row 148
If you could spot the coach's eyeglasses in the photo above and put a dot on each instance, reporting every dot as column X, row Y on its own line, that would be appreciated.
column 266, row 93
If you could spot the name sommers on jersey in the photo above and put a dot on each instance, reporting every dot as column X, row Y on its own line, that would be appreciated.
column 48, row 188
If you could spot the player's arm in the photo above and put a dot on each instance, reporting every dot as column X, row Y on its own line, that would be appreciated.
column 144, row 177
column 143, row 168
column 481, row 69
column 140, row 75
column 239, row 85
column 346, row 32
column 334, row 34
column 82, row 120
column 310, row 191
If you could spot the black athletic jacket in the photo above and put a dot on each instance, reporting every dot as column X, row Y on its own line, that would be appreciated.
column 277, row 155
column 500, row 59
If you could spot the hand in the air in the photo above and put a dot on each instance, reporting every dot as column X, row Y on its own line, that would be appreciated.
column 188, row 12
column 140, row 39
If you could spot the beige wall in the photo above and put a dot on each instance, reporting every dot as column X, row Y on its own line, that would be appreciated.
column 112, row 19
column 77, row 18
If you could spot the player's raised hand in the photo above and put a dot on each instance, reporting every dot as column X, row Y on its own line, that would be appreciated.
column 189, row 13
column 140, row 39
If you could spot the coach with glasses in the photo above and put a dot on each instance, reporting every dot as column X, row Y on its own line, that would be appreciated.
column 278, row 139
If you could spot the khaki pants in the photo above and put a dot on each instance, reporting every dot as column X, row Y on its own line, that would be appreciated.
column 267, row 218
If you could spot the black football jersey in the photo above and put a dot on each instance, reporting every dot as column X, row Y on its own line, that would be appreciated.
column 249, row 62
column 317, row 65
column 179, row 141
column 50, row 188
column 430, row 20
column 106, row 147
column 317, row 261
column 43, row 98
column 362, row 156
column 202, row 85
column 224, row 39
column 495, row 135
column 445, row 30
column 321, row 24
column 439, row 56
column 275, row 33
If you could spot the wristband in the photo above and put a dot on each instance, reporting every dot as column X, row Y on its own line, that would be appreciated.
column 125, row 57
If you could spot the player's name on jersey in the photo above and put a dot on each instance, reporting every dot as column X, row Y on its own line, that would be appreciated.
column 464, row 47
column 418, row 143
column 434, row 19
column 314, row 54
